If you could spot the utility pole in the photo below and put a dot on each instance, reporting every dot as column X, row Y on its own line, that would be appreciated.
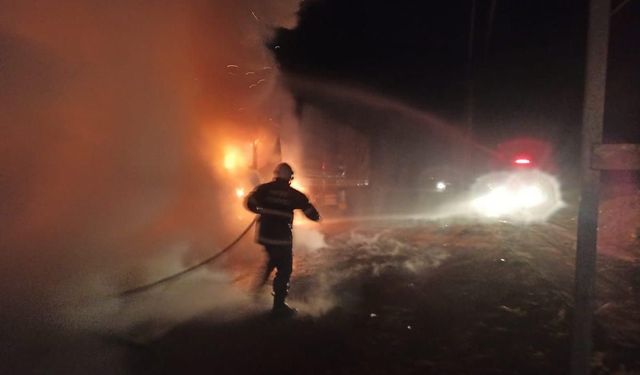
column 592, row 124
column 595, row 158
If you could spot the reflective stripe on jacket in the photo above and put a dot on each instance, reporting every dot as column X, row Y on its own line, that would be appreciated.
column 275, row 202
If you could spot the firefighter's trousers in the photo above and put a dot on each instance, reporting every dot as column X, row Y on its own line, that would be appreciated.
column 280, row 258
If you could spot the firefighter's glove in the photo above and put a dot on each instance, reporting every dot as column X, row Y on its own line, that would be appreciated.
column 311, row 213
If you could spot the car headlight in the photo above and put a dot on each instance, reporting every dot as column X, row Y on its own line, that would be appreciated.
column 527, row 195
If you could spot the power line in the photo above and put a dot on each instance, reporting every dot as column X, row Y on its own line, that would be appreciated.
column 619, row 7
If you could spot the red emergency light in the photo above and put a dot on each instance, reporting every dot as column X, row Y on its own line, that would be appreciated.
column 522, row 161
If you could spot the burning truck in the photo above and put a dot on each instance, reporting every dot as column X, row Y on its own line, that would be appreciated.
column 334, row 164
column 331, row 164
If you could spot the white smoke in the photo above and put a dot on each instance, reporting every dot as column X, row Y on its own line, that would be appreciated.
column 113, row 121
column 357, row 255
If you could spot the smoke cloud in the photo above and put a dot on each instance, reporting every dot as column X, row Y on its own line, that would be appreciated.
column 115, row 121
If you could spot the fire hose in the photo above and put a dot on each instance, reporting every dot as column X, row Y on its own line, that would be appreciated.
column 145, row 287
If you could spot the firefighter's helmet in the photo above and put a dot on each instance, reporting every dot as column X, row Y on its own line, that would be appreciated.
column 283, row 171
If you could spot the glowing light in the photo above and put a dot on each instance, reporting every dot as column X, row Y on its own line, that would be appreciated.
column 496, row 203
column 528, row 195
column 233, row 159
column 522, row 161
column 240, row 192
column 441, row 186
column 297, row 185
column 503, row 200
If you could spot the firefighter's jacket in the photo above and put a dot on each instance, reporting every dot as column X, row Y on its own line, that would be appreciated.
column 275, row 202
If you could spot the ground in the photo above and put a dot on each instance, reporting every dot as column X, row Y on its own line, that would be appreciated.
column 401, row 296
column 416, row 297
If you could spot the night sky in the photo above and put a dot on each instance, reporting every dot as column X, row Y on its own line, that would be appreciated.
column 527, row 67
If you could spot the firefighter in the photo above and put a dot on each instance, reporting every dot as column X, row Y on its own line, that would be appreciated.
column 275, row 202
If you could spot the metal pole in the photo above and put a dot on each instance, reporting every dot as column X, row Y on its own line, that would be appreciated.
column 592, row 124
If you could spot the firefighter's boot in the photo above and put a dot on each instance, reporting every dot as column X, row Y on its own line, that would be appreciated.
column 280, row 308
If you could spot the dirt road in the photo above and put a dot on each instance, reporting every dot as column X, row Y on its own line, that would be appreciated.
column 416, row 297
column 400, row 296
